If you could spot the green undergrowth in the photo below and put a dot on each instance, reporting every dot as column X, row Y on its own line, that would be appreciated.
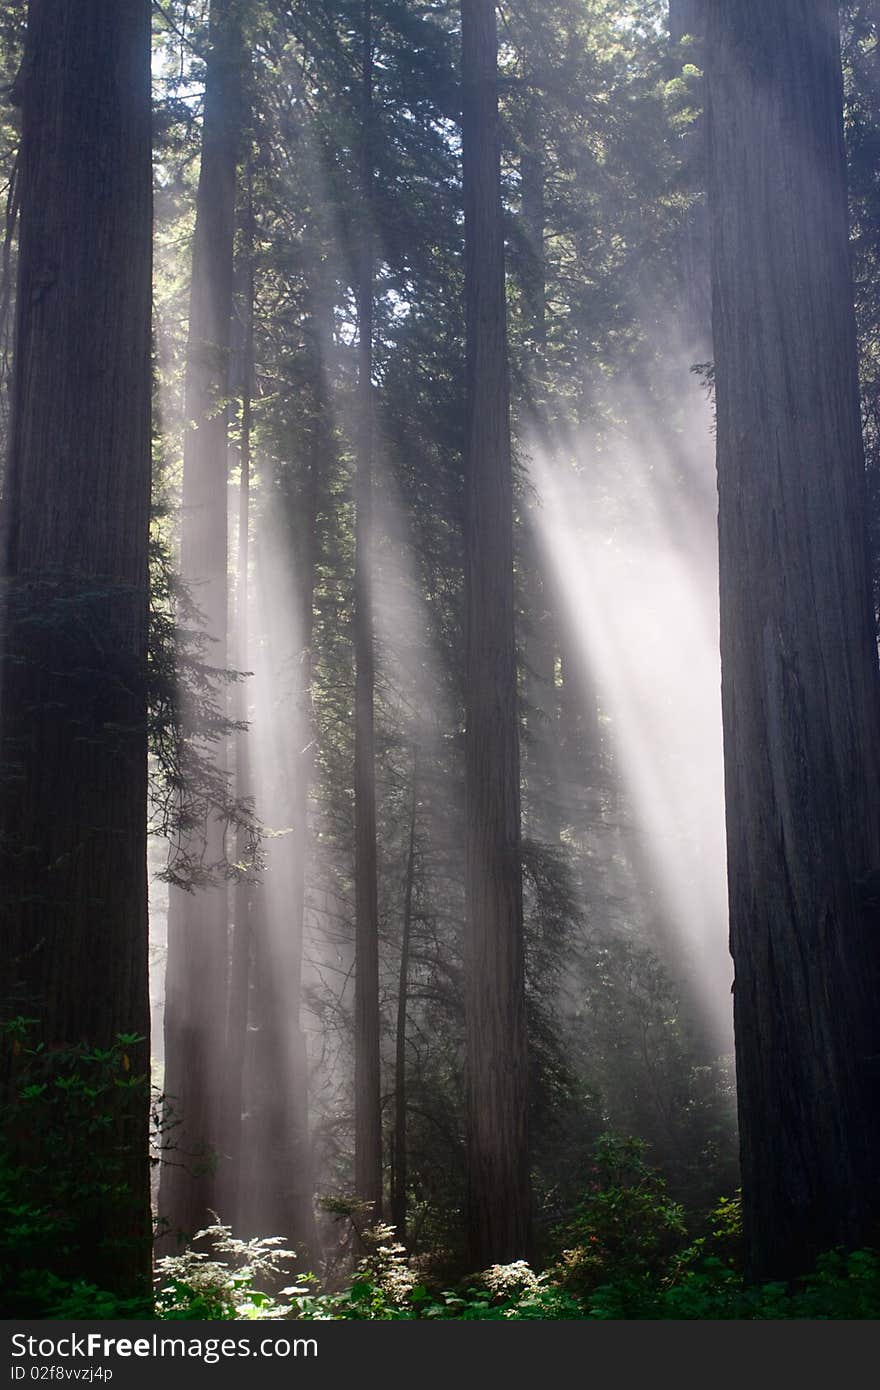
column 68, row 1120
column 626, row 1251
column 843, row 1286
column 648, row 1282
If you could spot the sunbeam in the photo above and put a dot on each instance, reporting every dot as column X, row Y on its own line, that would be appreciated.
column 637, row 574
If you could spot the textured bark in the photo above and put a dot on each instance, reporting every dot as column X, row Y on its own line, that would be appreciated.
column 196, row 989
column 367, row 1100
column 74, row 564
column 799, row 659
column 497, row 1053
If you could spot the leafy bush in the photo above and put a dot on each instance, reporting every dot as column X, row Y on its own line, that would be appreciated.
column 843, row 1286
column 197, row 1285
column 627, row 1228
column 66, row 1122
column 507, row 1292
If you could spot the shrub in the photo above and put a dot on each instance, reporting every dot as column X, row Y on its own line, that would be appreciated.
column 197, row 1285
column 67, row 1117
column 626, row 1229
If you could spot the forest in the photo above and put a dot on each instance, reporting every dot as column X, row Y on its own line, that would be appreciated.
column 440, row 699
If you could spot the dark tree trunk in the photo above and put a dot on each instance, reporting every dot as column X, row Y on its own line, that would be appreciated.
column 197, row 971
column 75, row 584
column 368, row 1112
column 799, row 658
column 497, row 1051
column 399, row 1167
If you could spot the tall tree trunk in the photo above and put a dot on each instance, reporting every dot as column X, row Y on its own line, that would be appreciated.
column 399, row 1170
column 367, row 1100
column 197, row 971
column 497, row 1050
column 799, row 657
column 75, row 584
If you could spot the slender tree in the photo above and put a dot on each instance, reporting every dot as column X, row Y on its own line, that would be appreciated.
column 74, row 563
column 197, row 971
column 368, row 1113
column 497, row 1051
column 799, row 656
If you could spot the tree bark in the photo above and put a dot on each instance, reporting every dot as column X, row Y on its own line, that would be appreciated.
column 497, row 1051
column 197, row 971
column 799, row 657
column 75, row 583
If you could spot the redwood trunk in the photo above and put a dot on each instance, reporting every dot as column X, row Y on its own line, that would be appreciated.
column 74, row 562
column 799, row 657
column 497, row 1052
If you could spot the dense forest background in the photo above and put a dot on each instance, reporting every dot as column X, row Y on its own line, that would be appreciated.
column 365, row 761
